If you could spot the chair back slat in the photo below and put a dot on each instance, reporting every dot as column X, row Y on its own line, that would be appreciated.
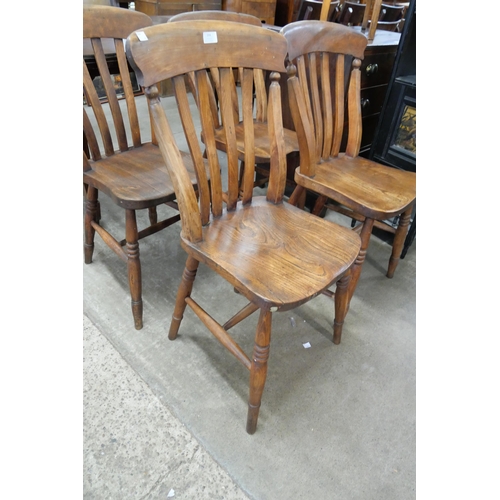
column 260, row 96
column 173, row 50
column 109, row 88
column 95, row 103
column 229, row 122
column 181, row 94
column 185, row 194
column 277, row 174
column 339, row 103
column 90, row 137
column 326, row 98
column 315, row 91
column 354, row 110
column 247, row 81
column 208, row 125
column 129, row 94
column 303, row 82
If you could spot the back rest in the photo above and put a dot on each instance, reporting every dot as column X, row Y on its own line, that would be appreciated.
column 324, row 88
column 391, row 12
column 106, row 28
column 311, row 10
column 351, row 14
column 178, row 50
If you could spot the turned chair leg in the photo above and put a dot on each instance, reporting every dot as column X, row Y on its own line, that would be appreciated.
column 399, row 240
column 258, row 369
column 341, row 306
column 133, row 266
column 365, row 234
column 184, row 291
column 90, row 216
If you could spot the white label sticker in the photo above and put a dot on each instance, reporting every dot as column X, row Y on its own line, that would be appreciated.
column 210, row 37
column 307, row 345
column 141, row 36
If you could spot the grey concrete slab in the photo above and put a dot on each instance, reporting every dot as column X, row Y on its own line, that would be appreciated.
column 133, row 446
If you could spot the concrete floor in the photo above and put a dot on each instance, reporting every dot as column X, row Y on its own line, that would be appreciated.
column 162, row 417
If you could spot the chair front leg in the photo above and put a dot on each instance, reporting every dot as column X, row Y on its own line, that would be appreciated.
column 399, row 240
column 184, row 291
column 133, row 266
column 258, row 369
column 90, row 216
column 341, row 306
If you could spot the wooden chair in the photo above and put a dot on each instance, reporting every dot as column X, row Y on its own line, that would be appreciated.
column 310, row 10
column 275, row 255
column 262, row 148
column 390, row 17
column 351, row 14
column 391, row 12
column 131, row 172
column 324, row 92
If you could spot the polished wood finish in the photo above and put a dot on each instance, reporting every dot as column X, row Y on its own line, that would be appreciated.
column 274, row 254
column 319, row 104
column 130, row 171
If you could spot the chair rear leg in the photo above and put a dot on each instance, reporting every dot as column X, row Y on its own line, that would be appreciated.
column 258, row 369
column 365, row 234
column 399, row 240
column 341, row 306
column 298, row 197
column 184, row 291
column 90, row 216
column 153, row 215
column 133, row 266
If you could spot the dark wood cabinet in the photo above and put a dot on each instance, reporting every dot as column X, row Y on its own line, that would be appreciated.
column 376, row 70
column 395, row 140
column 172, row 7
